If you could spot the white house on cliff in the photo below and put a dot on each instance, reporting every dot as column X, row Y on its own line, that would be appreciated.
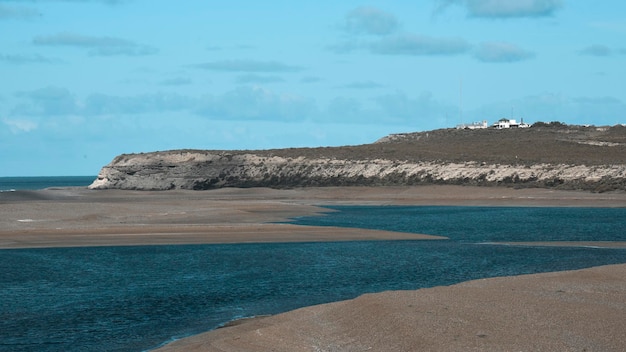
column 501, row 124
column 509, row 123
column 472, row 126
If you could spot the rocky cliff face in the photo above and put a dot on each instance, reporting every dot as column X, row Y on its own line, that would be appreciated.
column 201, row 170
column 553, row 156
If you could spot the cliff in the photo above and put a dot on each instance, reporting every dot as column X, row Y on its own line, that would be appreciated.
column 553, row 156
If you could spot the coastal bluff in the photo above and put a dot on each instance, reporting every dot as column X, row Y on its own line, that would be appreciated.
column 548, row 156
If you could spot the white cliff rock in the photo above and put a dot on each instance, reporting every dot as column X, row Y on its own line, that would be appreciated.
column 206, row 170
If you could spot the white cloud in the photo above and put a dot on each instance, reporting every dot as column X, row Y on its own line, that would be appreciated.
column 517, row 8
column 243, row 103
column 596, row 50
column 373, row 21
column 253, row 78
column 255, row 103
column 110, row 2
column 18, row 13
column 362, row 85
column 345, row 109
column 58, row 101
column 344, row 47
column 411, row 44
column 103, row 104
column 46, row 101
column 423, row 109
column 247, row 66
column 98, row 46
column 504, row 8
column 598, row 100
column 501, row 52
column 17, row 59
column 310, row 79
column 370, row 20
column 20, row 126
column 177, row 81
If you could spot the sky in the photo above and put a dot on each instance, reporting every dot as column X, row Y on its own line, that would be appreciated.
column 82, row 81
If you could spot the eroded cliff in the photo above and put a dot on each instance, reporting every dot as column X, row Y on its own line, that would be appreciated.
column 569, row 158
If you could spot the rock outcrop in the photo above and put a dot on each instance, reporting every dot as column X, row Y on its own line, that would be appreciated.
column 361, row 165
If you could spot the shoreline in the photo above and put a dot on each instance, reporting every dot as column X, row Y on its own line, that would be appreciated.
column 577, row 310
column 69, row 217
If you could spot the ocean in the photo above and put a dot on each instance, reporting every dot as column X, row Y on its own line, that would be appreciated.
column 138, row 297
column 34, row 183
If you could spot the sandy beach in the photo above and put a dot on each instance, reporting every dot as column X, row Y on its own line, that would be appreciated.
column 80, row 217
column 581, row 310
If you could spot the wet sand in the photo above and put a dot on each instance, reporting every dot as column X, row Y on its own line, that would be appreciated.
column 581, row 310
column 80, row 217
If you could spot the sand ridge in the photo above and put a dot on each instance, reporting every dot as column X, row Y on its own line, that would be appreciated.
column 583, row 310
column 81, row 217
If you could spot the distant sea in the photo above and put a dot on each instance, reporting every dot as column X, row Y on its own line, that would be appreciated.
column 41, row 182
column 137, row 297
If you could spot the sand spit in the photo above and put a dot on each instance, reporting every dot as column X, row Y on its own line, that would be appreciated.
column 583, row 310
column 81, row 217
column 587, row 244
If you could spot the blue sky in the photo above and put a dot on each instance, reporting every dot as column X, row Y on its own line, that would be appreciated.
column 82, row 81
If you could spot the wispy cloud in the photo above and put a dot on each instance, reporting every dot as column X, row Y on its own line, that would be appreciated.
column 48, row 101
column 17, row 126
column 247, row 66
column 610, row 26
column 411, row 44
column 596, row 50
column 310, row 79
column 58, row 101
column 105, row 104
column 110, row 2
column 255, row 103
column 598, row 100
column 392, row 108
column 362, row 85
column 500, row 52
column 503, row 8
column 242, row 103
column 177, row 81
column 400, row 107
column 344, row 47
column 370, row 20
column 99, row 46
column 346, row 109
column 364, row 21
column 253, row 78
column 27, row 59
column 18, row 13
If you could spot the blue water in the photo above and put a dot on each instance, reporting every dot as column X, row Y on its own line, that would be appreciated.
column 33, row 183
column 483, row 224
column 135, row 298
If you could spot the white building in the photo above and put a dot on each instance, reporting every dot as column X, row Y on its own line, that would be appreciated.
column 509, row 123
column 472, row 126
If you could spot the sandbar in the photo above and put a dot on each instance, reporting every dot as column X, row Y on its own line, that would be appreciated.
column 582, row 310
column 66, row 217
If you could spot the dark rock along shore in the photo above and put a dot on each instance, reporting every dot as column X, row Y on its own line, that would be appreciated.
column 547, row 155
